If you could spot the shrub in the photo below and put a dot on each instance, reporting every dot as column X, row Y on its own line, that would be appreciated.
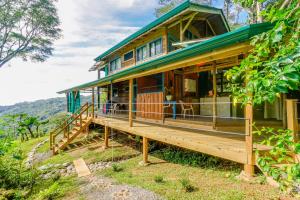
column 51, row 193
column 279, row 162
column 159, row 179
column 116, row 168
column 13, row 173
column 186, row 157
column 187, row 186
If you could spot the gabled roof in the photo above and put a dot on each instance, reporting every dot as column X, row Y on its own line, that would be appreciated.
column 177, row 10
column 221, row 41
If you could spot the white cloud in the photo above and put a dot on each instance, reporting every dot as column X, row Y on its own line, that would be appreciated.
column 89, row 28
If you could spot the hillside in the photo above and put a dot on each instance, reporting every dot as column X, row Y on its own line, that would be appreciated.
column 42, row 108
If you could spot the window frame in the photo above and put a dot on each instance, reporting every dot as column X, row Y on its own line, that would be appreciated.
column 155, row 47
column 131, row 51
column 114, row 61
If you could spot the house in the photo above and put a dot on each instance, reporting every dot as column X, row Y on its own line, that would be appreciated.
column 166, row 83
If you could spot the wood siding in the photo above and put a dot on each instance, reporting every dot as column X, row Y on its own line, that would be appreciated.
column 149, row 105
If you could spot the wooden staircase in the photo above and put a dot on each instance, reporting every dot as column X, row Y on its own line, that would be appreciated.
column 76, row 124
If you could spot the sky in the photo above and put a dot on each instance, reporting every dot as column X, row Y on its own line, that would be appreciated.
column 89, row 28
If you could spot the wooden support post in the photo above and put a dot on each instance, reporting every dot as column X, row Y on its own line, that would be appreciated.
column 106, row 133
column 165, row 41
column 249, row 166
column 130, row 101
column 292, row 115
column 145, row 150
column 93, row 102
column 214, row 105
column 181, row 31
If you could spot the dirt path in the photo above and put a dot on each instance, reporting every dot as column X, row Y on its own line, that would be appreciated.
column 95, row 187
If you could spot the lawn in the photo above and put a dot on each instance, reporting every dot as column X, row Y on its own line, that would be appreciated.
column 209, row 183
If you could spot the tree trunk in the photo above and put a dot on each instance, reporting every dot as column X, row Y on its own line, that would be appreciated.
column 258, row 10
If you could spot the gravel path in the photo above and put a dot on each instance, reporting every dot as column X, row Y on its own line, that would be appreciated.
column 102, row 188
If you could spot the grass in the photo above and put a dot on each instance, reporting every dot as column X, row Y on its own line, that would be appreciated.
column 27, row 146
column 206, row 183
column 93, row 152
column 47, row 188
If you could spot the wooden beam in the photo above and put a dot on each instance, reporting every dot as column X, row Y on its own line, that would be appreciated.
column 211, row 27
column 181, row 31
column 182, row 19
column 292, row 115
column 145, row 150
column 106, row 133
column 214, row 72
column 130, row 101
column 189, row 22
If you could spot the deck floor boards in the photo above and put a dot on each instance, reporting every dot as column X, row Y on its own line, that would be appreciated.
column 229, row 147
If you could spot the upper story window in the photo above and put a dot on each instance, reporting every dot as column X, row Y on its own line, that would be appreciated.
column 141, row 53
column 128, row 56
column 115, row 65
column 155, row 47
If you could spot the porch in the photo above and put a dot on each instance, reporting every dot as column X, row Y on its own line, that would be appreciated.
column 215, row 143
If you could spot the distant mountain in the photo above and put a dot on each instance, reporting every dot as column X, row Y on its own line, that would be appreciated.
column 42, row 108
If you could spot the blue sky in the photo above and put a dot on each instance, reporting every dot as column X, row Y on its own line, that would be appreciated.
column 89, row 28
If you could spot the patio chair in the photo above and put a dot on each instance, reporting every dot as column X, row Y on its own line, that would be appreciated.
column 114, row 108
column 186, row 107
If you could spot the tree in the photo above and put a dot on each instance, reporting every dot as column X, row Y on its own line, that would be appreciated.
column 273, row 65
column 167, row 5
column 28, row 29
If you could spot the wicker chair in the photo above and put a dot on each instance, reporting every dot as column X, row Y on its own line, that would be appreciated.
column 186, row 107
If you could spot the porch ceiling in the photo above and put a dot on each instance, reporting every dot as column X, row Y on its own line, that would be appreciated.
column 219, row 47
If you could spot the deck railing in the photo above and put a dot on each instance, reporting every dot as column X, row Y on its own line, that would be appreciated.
column 180, row 115
column 66, row 127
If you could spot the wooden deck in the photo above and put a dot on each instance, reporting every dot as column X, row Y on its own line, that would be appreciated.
column 226, row 146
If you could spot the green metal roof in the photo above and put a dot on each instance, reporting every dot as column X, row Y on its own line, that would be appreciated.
column 187, row 4
column 221, row 41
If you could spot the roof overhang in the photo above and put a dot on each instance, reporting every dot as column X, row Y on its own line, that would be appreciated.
column 216, row 43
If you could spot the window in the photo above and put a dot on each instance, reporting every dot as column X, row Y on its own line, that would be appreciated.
column 141, row 53
column 128, row 56
column 115, row 65
column 188, row 35
column 155, row 47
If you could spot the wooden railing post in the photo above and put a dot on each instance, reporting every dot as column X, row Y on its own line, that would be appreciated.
column 93, row 102
column 214, row 103
column 292, row 117
column 249, row 166
column 130, row 101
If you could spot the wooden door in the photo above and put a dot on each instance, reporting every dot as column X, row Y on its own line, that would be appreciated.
column 150, row 105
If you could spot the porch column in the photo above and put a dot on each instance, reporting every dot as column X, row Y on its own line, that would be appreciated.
column 93, row 102
column 106, row 132
column 130, row 101
column 214, row 105
column 145, row 150
column 249, row 166
column 292, row 115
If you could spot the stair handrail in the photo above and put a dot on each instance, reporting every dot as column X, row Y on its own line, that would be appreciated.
column 66, row 125
column 61, row 128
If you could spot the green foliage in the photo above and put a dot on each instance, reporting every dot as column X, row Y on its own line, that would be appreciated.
column 117, row 168
column 159, row 179
column 279, row 162
column 273, row 65
column 186, row 157
column 53, row 192
column 187, row 186
column 27, row 29
column 13, row 173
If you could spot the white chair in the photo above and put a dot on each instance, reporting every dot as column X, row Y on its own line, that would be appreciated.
column 186, row 107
